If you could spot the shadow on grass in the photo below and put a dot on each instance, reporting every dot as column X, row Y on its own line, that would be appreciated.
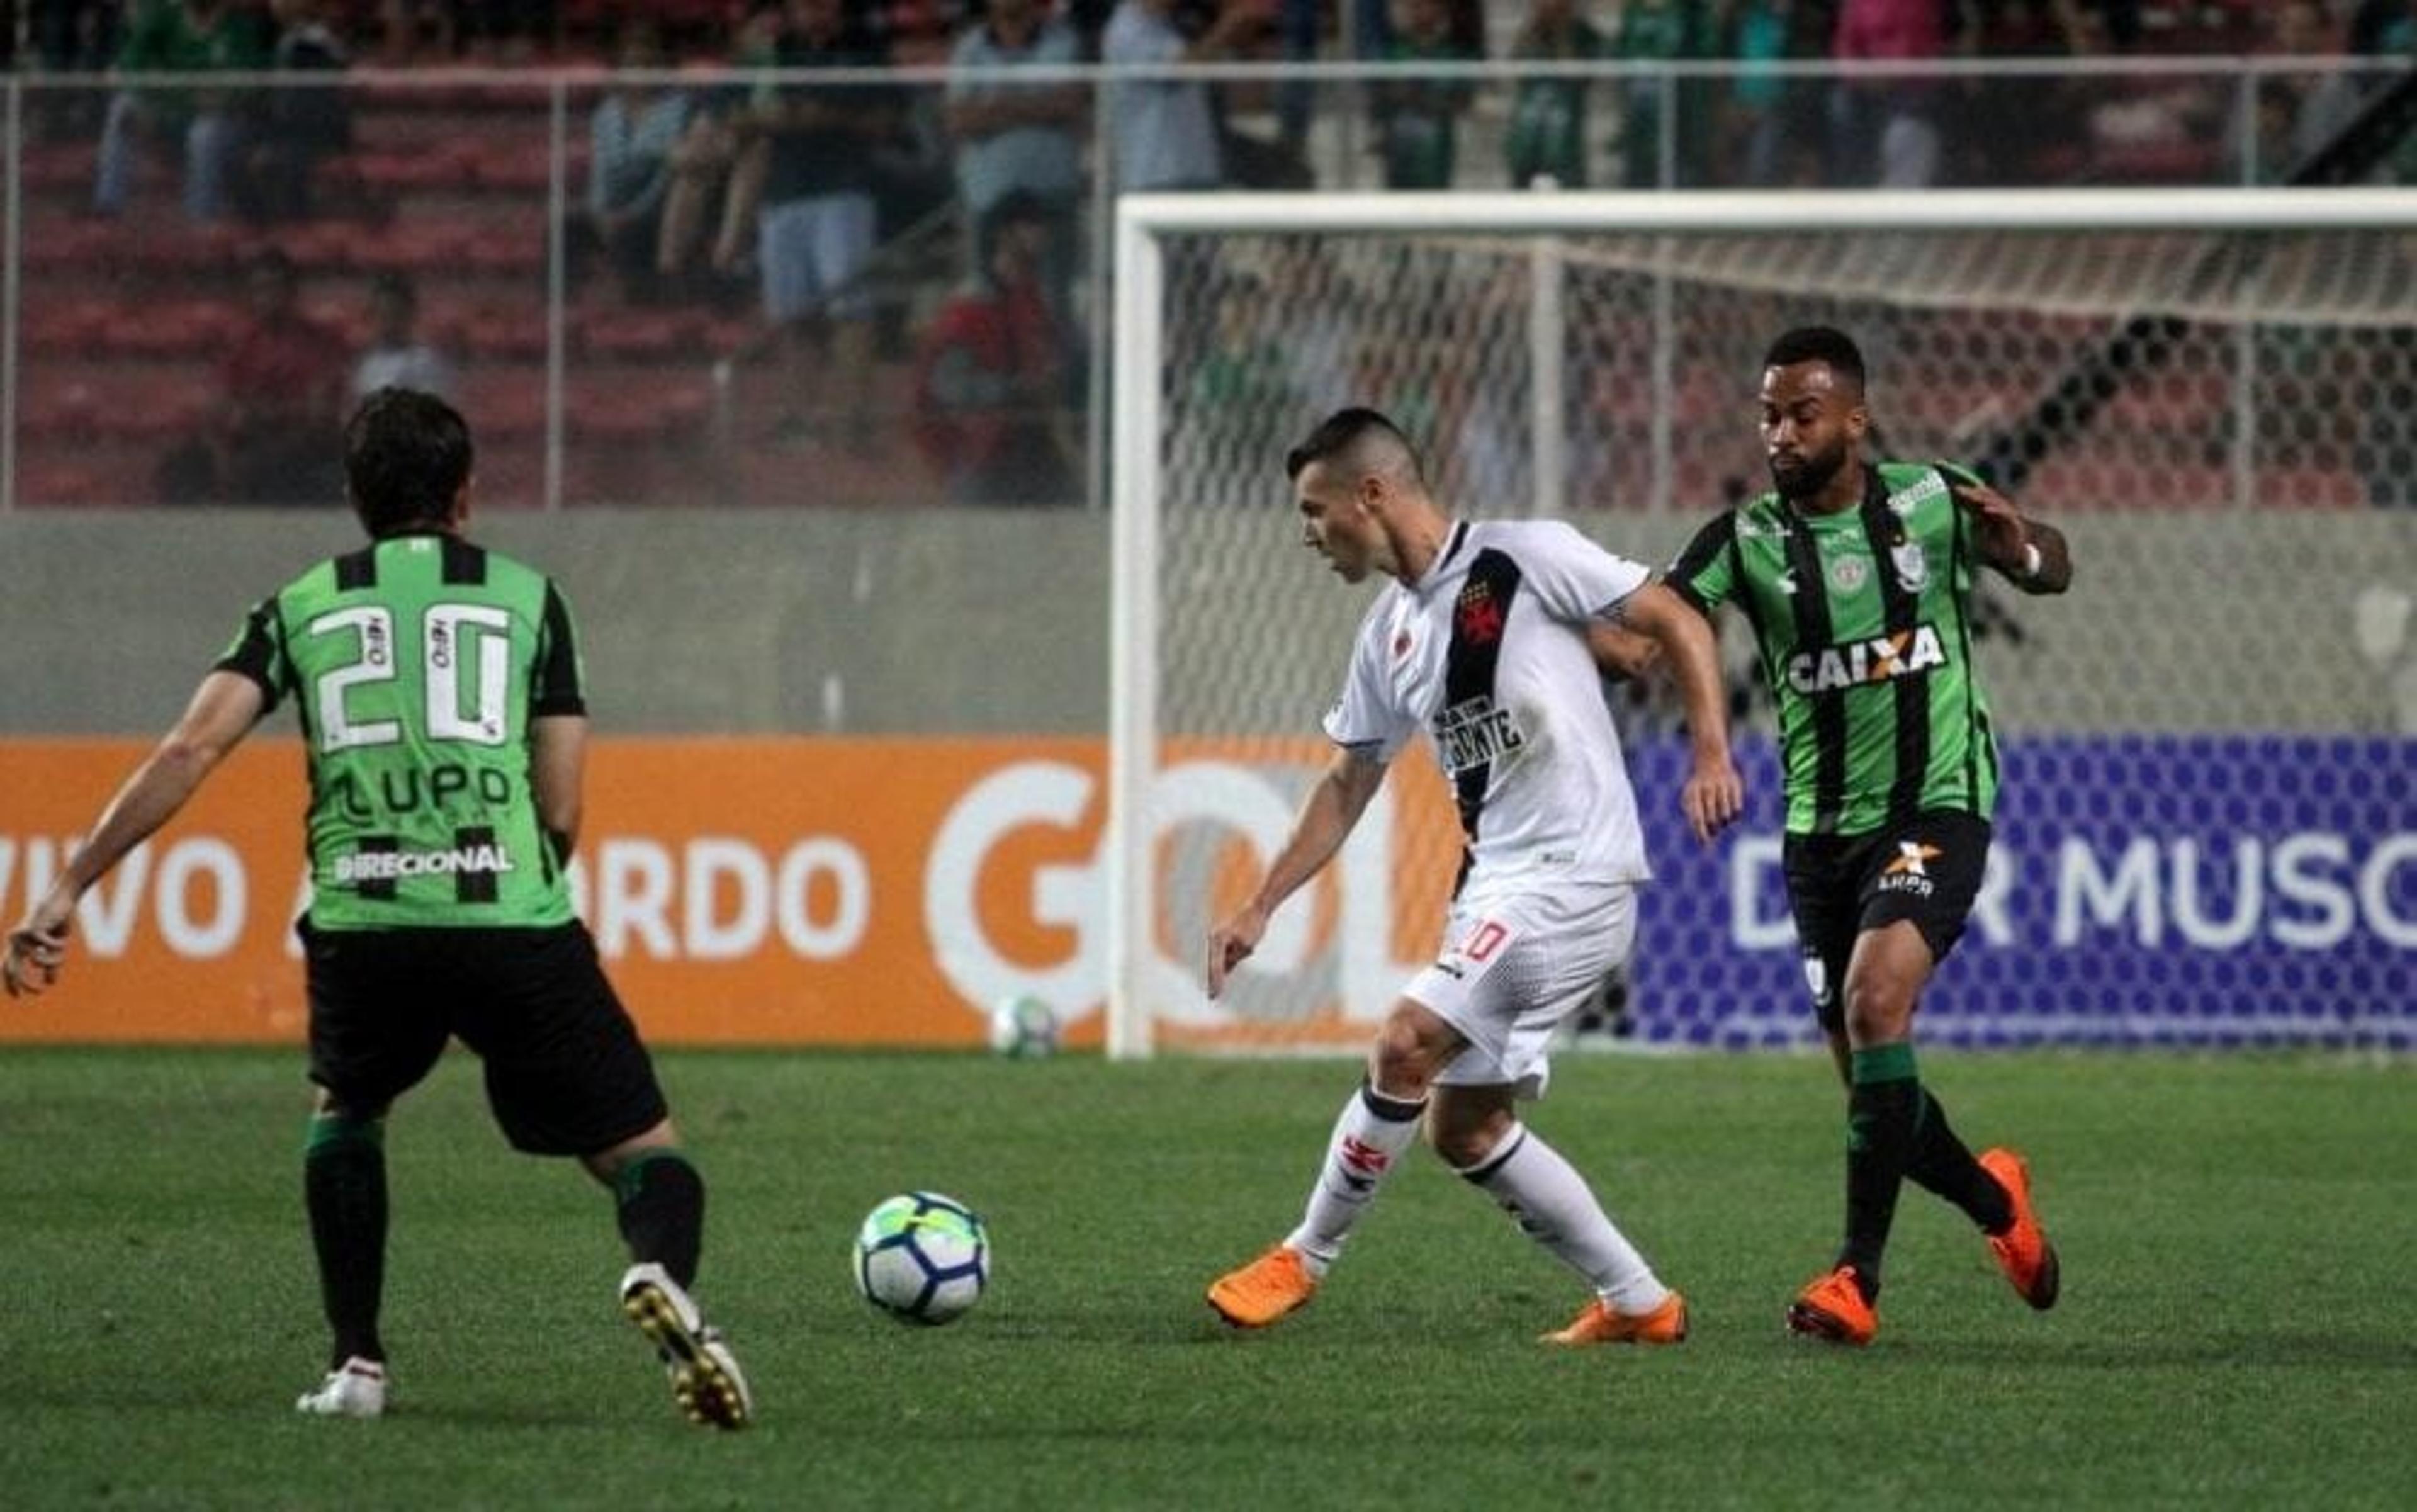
column 2271, row 1349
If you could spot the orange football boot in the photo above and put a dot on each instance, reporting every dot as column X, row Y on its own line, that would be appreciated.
column 1264, row 1291
column 1831, row 1306
column 2023, row 1251
column 1601, row 1324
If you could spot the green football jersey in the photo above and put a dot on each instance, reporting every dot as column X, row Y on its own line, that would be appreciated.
column 416, row 667
column 1862, row 620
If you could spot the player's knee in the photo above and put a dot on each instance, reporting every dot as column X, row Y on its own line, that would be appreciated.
column 1401, row 1064
column 1465, row 1145
column 1877, row 1009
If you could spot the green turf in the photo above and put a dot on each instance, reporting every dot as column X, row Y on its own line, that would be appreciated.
column 2236, row 1329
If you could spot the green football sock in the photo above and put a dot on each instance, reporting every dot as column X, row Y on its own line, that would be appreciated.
column 1942, row 1164
column 1883, row 1103
column 662, row 1211
column 343, row 1186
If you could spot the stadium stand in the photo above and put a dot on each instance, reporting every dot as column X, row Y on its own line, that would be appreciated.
column 448, row 183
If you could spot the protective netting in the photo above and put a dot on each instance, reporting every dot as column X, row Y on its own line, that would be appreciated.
column 2209, row 832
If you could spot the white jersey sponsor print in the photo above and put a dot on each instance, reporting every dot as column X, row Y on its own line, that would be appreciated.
column 1487, row 654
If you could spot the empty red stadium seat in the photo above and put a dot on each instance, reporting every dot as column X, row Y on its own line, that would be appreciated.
column 644, row 335
column 615, row 418
column 57, row 167
column 80, row 244
column 188, row 328
column 443, row 167
column 67, row 413
column 415, row 247
column 63, row 482
column 67, row 327
column 506, row 333
column 513, row 163
column 505, row 249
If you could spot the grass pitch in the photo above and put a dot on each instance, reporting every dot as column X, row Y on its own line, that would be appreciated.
column 2236, row 1328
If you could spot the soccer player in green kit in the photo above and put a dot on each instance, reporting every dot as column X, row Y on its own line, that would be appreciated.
column 1856, row 576
column 439, row 690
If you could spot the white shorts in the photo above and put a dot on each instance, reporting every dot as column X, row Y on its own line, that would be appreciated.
column 810, row 247
column 1515, row 963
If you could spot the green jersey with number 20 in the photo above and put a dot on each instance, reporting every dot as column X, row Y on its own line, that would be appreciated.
column 1866, row 643
column 416, row 667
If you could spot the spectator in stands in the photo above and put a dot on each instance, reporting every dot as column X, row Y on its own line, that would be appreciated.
column 298, row 126
column 634, row 136
column 182, row 37
column 2379, row 29
column 2295, row 113
column 72, row 37
column 272, row 433
column 412, row 31
column 1015, row 138
column 1166, row 129
column 2020, row 127
column 506, row 32
column 1655, row 31
column 989, row 372
column 510, row 32
column 755, row 44
column 1236, row 386
column 1418, row 119
column 1763, row 122
column 1885, row 129
column 1547, row 134
column 816, row 231
column 396, row 357
column 2146, row 127
column 1324, row 312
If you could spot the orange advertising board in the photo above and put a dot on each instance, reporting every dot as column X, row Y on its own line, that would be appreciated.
column 777, row 890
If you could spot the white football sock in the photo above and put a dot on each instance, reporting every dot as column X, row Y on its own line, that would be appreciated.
column 1371, row 1131
column 1553, row 1206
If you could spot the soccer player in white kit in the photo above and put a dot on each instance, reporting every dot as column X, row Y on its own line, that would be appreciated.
column 1485, row 639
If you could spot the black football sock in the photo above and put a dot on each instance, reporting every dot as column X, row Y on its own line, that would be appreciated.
column 1942, row 1164
column 662, row 1211
column 1882, row 1104
column 343, row 1185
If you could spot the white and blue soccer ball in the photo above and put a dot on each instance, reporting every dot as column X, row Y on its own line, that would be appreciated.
column 922, row 1258
column 1023, row 1028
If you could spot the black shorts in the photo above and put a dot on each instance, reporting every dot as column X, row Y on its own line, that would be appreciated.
column 566, row 1072
column 1927, row 868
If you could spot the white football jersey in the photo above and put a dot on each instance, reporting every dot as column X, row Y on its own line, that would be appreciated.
column 1487, row 653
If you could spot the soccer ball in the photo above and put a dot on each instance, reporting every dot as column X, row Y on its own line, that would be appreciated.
column 1023, row 1028
column 922, row 1258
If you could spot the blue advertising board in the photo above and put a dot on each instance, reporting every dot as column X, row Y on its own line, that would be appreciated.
column 2143, row 890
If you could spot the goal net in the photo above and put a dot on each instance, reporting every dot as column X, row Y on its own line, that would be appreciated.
column 2208, row 832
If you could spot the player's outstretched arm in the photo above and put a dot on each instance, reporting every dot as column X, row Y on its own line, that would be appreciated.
column 223, row 711
column 2032, row 555
column 1714, row 794
column 1326, row 820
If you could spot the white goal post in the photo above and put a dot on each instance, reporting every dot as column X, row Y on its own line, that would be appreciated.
column 1753, row 241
